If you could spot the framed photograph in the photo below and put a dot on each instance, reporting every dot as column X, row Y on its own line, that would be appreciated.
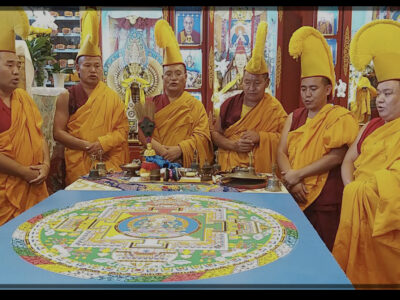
column 327, row 20
column 188, row 25
column 333, row 45
column 193, row 61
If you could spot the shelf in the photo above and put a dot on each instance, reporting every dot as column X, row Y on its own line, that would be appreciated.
column 67, row 35
column 63, row 18
column 66, row 50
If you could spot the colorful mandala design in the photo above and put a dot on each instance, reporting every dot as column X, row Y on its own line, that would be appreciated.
column 155, row 238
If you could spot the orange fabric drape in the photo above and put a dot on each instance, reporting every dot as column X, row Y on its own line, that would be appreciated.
column 102, row 118
column 22, row 142
column 332, row 127
column 367, row 244
column 267, row 118
column 184, row 122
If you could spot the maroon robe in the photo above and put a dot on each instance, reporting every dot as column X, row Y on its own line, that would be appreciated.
column 324, row 212
column 5, row 117
column 77, row 98
column 160, row 101
column 231, row 110
column 372, row 125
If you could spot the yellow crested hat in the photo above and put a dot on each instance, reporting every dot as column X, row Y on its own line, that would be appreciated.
column 165, row 38
column 257, row 64
column 378, row 41
column 316, row 55
column 13, row 21
column 89, row 34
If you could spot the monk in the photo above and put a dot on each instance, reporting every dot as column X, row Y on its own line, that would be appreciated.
column 251, row 120
column 24, row 154
column 315, row 139
column 367, row 244
column 181, row 120
column 90, row 117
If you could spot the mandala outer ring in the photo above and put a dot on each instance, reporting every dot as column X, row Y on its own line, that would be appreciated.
column 207, row 259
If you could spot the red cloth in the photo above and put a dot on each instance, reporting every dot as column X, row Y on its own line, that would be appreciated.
column 160, row 101
column 372, row 125
column 5, row 117
column 324, row 213
column 77, row 98
column 231, row 110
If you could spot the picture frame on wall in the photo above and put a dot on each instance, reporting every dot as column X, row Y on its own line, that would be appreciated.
column 333, row 45
column 188, row 25
column 327, row 20
column 193, row 62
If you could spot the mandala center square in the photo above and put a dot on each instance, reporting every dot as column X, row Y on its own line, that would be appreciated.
column 158, row 226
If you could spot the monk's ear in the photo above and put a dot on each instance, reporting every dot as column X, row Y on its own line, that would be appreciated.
column 328, row 89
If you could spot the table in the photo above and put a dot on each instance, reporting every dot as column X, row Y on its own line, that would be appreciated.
column 309, row 265
column 118, row 182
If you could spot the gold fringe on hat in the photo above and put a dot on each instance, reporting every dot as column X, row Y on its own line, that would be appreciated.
column 165, row 38
column 13, row 21
column 316, row 55
column 257, row 64
column 89, row 34
column 377, row 41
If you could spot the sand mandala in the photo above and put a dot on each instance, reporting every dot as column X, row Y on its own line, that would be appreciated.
column 155, row 238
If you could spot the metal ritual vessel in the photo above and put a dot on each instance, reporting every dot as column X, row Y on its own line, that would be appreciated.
column 273, row 184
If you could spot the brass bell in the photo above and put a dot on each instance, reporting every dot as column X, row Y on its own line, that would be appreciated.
column 273, row 184
column 93, row 173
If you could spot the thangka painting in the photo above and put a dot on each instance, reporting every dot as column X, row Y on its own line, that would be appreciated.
column 193, row 61
column 163, row 238
column 129, row 49
column 360, row 17
column 235, row 30
column 327, row 20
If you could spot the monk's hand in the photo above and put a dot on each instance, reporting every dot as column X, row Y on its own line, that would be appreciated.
column 172, row 153
column 94, row 148
column 299, row 192
column 291, row 177
column 43, row 172
column 251, row 135
column 243, row 145
column 29, row 174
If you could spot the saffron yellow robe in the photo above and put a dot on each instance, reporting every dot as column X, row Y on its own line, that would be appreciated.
column 102, row 118
column 367, row 244
column 22, row 142
column 332, row 127
column 184, row 122
column 267, row 118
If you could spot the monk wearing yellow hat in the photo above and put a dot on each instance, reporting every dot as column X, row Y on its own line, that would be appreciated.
column 367, row 244
column 90, row 118
column 24, row 154
column 316, row 137
column 251, row 120
column 181, row 120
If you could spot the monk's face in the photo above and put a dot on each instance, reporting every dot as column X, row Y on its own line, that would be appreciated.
column 254, row 86
column 314, row 92
column 388, row 100
column 90, row 70
column 9, row 71
column 174, row 79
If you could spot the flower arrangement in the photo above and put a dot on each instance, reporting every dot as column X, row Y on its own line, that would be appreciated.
column 40, row 49
column 39, row 44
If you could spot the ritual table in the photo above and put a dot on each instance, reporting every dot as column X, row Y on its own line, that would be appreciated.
column 118, row 182
column 165, row 240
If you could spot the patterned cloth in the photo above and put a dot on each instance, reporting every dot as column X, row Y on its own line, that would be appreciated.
column 117, row 181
